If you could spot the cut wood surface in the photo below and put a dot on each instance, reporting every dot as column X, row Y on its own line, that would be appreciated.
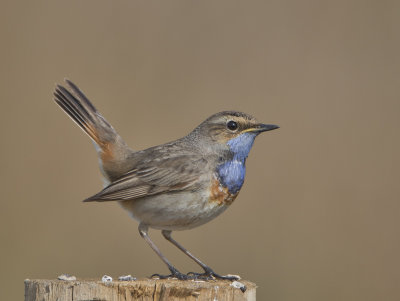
column 144, row 290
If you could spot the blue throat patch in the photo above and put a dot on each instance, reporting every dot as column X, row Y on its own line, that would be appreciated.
column 231, row 173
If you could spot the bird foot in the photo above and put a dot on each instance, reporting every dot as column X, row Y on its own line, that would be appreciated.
column 208, row 274
column 174, row 274
column 211, row 275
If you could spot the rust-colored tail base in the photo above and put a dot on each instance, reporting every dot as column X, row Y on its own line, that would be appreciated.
column 112, row 150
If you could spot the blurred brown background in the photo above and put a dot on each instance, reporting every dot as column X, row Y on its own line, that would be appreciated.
column 318, row 217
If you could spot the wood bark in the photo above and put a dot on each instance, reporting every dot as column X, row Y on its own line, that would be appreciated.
column 144, row 290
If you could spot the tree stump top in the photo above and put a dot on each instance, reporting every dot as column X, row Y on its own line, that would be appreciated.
column 143, row 289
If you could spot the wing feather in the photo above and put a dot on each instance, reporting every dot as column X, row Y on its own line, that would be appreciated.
column 168, row 174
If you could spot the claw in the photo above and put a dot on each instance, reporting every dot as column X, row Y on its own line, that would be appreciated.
column 210, row 272
column 198, row 276
column 177, row 275
column 211, row 275
column 230, row 278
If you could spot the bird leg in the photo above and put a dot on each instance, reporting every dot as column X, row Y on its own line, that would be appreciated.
column 208, row 272
column 143, row 230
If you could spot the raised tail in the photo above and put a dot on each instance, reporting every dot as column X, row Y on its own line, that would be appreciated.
column 112, row 150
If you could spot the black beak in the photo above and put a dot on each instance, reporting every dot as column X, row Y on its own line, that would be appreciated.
column 266, row 127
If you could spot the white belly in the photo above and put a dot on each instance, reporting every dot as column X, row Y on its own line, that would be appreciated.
column 174, row 211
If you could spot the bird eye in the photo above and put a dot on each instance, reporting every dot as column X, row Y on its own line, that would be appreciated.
column 232, row 125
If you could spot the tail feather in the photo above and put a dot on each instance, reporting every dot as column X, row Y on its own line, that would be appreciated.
column 80, row 94
column 75, row 111
column 84, row 113
column 112, row 150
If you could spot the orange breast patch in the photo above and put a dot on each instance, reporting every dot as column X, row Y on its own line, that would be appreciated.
column 221, row 194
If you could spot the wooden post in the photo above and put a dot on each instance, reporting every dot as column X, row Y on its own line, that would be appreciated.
column 144, row 290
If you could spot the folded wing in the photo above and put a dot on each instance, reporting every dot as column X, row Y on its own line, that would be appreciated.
column 166, row 173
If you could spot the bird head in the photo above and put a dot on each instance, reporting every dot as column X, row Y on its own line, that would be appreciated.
column 234, row 130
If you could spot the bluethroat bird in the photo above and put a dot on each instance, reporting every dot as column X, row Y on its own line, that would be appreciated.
column 175, row 186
